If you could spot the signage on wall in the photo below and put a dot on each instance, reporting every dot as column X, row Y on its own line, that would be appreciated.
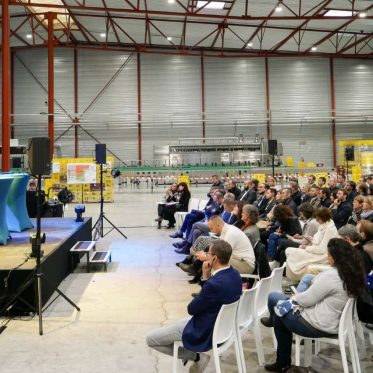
column 225, row 157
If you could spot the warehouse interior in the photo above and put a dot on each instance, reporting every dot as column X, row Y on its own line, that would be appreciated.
column 177, row 91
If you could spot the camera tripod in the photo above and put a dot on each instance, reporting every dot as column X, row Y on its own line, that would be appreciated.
column 98, row 228
column 36, row 240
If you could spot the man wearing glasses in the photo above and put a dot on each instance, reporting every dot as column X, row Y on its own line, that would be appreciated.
column 221, row 284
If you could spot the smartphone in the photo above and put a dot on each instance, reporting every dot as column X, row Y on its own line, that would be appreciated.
column 293, row 289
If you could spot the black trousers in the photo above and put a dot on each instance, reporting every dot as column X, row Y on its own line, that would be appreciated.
column 280, row 254
column 161, row 209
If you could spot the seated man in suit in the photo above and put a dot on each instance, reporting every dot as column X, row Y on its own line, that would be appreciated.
column 261, row 200
column 221, row 284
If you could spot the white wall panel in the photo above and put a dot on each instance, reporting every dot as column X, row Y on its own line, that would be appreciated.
column 112, row 118
column 235, row 94
column 300, row 99
column 353, row 80
column 170, row 100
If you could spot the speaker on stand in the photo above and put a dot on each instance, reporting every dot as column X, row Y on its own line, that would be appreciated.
column 272, row 150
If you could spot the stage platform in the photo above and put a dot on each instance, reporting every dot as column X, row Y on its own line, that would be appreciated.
column 61, row 235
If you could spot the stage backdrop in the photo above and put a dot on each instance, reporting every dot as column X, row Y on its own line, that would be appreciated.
column 82, row 177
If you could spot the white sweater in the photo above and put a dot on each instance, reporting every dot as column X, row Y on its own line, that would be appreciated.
column 241, row 245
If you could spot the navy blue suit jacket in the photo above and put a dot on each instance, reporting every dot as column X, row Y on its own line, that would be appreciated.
column 223, row 288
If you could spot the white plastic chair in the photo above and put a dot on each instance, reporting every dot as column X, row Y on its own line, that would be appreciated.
column 223, row 337
column 346, row 331
column 260, row 310
column 255, row 277
column 246, row 320
column 276, row 287
column 202, row 204
column 180, row 215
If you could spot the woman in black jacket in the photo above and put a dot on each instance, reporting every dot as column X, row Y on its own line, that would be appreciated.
column 288, row 225
column 170, row 197
column 182, row 204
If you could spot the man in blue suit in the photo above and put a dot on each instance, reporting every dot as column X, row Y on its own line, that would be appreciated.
column 221, row 284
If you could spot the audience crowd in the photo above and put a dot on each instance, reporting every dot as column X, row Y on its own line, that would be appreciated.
column 323, row 231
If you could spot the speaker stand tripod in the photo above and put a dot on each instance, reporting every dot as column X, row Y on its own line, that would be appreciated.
column 98, row 228
column 36, row 241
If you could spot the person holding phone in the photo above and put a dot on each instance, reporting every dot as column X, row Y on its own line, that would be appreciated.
column 221, row 284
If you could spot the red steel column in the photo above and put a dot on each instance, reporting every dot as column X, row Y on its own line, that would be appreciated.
column 139, row 107
column 333, row 112
column 203, row 99
column 76, row 102
column 5, row 59
column 268, row 100
column 51, row 81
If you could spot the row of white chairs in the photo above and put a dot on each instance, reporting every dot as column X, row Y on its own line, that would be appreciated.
column 244, row 315
column 194, row 204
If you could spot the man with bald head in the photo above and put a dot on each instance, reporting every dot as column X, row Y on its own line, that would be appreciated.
column 243, row 258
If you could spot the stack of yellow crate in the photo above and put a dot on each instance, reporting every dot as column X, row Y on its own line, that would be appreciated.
column 82, row 192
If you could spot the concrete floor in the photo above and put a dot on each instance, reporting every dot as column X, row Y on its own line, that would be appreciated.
column 142, row 290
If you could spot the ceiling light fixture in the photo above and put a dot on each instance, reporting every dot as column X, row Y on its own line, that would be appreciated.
column 103, row 35
column 169, row 38
column 171, row 1
column 279, row 8
column 29, row 36
column 339, row 13
column 314, row 49
column 362, row 15
column 249, row 45
column 213, row 5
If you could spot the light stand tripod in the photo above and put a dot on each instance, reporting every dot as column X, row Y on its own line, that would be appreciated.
column 36, row 241
column 98, row 228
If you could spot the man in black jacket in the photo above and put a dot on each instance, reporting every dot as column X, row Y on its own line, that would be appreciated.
column 287, row 200
column 232, row 188
column 245, row 192
column 351, row 189
column 261, row 201
column 343, row 210
column 216, row 183
column 297, row 195
column 270, row 202
column 325, row 198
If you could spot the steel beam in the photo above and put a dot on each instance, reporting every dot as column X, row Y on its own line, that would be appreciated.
column 333, row 112
column 139, row 109
column 5, row 84
column 188, row 14
column 51, row 17
column 12, row 95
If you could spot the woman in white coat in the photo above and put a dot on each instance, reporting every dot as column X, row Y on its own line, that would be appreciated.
column 298, row 259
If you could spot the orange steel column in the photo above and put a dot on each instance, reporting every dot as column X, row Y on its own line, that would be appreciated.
column 139, row 107
column 333, row 112
column 5, row 59
column 51, row 81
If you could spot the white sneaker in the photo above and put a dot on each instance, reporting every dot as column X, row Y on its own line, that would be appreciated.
column 273, row 265
column 201, row 365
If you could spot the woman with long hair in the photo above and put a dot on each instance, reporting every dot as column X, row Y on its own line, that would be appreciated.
column 250, row 216
column 321, row 305
column 239, row 223
column 168, row 198
column 288, row 226
column 182, row 199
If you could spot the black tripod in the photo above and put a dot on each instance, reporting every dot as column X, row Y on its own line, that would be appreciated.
column 98, row 228
column 36, row 241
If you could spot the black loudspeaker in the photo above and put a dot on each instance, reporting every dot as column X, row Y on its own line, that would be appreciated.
column 101, row 153
column 349, row 153
column 39, row 155
column 272, row 147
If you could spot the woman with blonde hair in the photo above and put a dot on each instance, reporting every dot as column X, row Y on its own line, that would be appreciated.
column 170, row 197
column 367, row 214
column 306, row 189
